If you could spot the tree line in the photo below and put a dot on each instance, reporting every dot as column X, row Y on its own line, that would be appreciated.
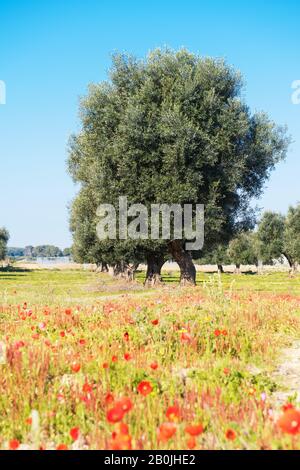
column 172, row 128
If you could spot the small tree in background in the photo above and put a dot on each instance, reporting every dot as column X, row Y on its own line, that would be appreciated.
column 291, row 247
column 243, row 250
column 4, row 237
column 270, row 236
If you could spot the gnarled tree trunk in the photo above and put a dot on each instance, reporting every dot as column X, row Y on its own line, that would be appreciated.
column 123, row 270
column 154, row 264
column 184, row 260
column 220, row 269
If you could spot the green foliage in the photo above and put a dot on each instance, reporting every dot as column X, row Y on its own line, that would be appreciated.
column 243, row 249
column 4, row 237
column 292, row 234
column 270, row 235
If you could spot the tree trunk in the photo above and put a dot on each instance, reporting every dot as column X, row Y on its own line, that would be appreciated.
column 153, row 275
column 122, row 270
column 220, row 269
column 292, row 264
column 104, row 268
column 184, row 260
column 237, row 269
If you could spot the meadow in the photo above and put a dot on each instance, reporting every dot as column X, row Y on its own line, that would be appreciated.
column 88, row 362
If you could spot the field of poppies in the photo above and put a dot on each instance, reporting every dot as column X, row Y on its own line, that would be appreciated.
column 88, row 364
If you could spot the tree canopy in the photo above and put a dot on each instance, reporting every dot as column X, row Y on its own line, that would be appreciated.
column 4, row 237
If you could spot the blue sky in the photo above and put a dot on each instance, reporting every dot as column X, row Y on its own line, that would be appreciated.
column 51, row 50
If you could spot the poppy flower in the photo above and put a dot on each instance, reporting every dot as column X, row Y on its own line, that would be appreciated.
column 166, row 431
column 120, row 442
column 62, row 334
column 126, row 336
column 173, row 413
column 289, row 422
column 114, row 358
column 186, row 337
column 226, row 371
column 217, row 333
column 115, row 414
column 154, row 365
column 87, row 388
column 288, row 406
column 125, row 403
column 74, row 433
column 82, row 342
column 14, row 444
column 76, row 367
column 191, row 443
column 230, row 435
column 144, row 388
column 127, row 356
column 105, row 365
column 68, row 311
column 194, row 429
column 224, row 332
column 109, row 398
column 155, row 322
column 62, row 447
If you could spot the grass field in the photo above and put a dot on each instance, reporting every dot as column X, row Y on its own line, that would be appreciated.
column 90, row 363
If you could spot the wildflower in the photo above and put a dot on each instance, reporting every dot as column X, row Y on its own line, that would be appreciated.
column 154, row 365
column 173, row 413
column 194, row 429
column 87, row 388
column 62, row 334
column 288, row 406
column 74, row 433
column 105, row 365
column 120, row 441
column 251, row 391
column 224, row 332
column 76, row 367
column 82, row 342
column 127, row 356
column 226, row 371
column 125, row 403
column 289, row 422
column 109, row 398
column 68, row 311
column 186, row 337
column 62, row 447
column 126, row 336
column 217, row 333
column 115, row 414
column 114, row 358
column 230, row 435
column 144, row 388
column 191, row 443
column 155, row 322
column 14, row 444
column 166, row 431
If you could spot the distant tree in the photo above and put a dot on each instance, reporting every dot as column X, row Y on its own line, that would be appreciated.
column 291, row 247
column 243, row 250
column 29, row 251
column 15, row 252
column 270, row 236
column 46, row 251
column 66, row 252
column 217, row 255
column 4, row 237
column 174, row 129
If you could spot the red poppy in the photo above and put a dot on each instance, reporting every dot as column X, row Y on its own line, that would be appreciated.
column 194, row 429
column 191, row 443
column 76, row 367
column 217, row 333
column 224, row 333
column 74, row 433
column 115, row 414
column 166, row 431
column 14, row 444
column 87, row 388
column 109, row 398
column 105, row 365
column 62, row 334
column 186, row 337
column 288, row 406
column 114, row 358
column 144, row 388
column 120, row 442
column 62, row 447
column 173, row 413
column 155, row 322
column 230, row 435
column 154, row 365
column 289, row 422
column 68, row 311
column 82, row 342
column 226, row 371
column 125, row 403
column 126, row 336
column 127, row 356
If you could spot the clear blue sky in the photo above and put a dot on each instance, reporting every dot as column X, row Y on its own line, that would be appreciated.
column 51, row 50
